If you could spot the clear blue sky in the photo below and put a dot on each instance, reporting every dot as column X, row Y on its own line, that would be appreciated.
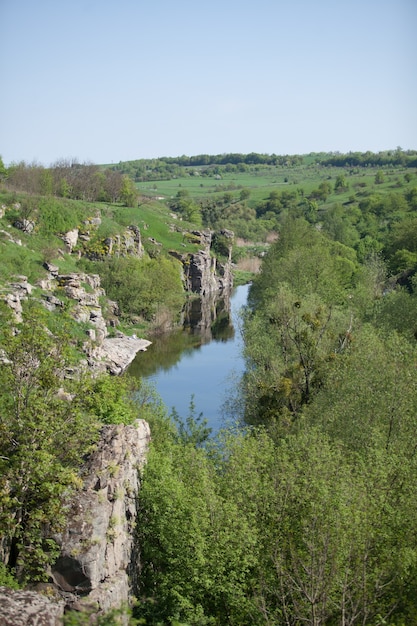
column 108, row 81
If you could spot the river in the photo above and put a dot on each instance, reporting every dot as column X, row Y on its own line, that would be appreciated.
column 200, row 363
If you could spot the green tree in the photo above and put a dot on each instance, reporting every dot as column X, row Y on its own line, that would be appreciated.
column 341, row 183
column 44, row 433
column 3, row 169
column 128, row 192
column 379, row 177
column 143, row 286
column 186, row 207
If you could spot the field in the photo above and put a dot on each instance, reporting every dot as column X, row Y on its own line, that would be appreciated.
column 261, row 181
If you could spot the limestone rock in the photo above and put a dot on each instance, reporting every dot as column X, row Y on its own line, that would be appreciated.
column 24, row 225
column 11, row 238
column 19, row 290
column 202, row 272
column 71, row 239
column 119, row 352
column 127, row 244
column 52, row 269
column 29, row 608
column 98, row 561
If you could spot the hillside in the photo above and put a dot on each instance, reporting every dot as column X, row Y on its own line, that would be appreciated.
column 305, row 510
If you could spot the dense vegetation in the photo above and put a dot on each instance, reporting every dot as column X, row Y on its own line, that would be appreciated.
column 307, row 516
column 48, row 424
column 305, row 512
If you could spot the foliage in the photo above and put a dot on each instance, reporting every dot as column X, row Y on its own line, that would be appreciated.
column 185, row 206
column 194, row 429
column 303, row 530
column 44, row 434
column 142, row 286
column 111, row 399
column 114, row 617
column 128, row 193
column 7, row 579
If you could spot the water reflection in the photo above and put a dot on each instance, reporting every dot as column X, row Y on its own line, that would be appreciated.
column 204, row 320
column 203, row 359
column 209, row 318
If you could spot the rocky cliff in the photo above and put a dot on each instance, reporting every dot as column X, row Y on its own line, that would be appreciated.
column 29, row 608
column 203, row 273
column 84, row 298
column 98, row 566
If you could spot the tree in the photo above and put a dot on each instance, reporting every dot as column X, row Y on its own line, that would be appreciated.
column 128, row 192
column 44, row 433
column 340, row 183
column 379, row 177
column 288, row 345
column 185, row 206
column 244, row 194
column 3, row 170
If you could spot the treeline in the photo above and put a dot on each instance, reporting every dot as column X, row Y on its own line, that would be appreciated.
column 164, row 168
column 387, row 158
column 167, row 167
column 68, row 178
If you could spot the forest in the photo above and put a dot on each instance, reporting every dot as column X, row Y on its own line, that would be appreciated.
column 304, row 511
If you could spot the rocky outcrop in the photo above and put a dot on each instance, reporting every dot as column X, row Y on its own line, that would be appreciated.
column 203, row 273
column 71, row 239
column 98, row 566
column 103, row 353
column 118, row 352
column 29, row 608
column 87, row 242
column 128, row 243
column 15, row 293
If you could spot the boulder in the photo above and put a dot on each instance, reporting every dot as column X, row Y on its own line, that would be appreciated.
column 71, row 239
column 52, row 269
column 24, row 225
column 118, row 352
column 29, row 608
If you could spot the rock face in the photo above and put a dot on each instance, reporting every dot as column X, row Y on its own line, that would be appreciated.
column 203, row 273
column 16, row 292
column 119, row 352
column 86, row 241
column 127, row 244
column 28, row 608
column 98, row 566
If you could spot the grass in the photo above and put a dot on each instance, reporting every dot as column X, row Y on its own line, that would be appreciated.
column 262, row 180
column 156, row 221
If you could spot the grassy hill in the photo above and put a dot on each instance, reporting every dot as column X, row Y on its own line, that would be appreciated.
column 358, row 200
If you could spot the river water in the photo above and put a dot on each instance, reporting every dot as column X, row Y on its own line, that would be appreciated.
column 201, row 363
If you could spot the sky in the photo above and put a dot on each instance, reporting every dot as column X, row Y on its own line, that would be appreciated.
column 106, row 81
